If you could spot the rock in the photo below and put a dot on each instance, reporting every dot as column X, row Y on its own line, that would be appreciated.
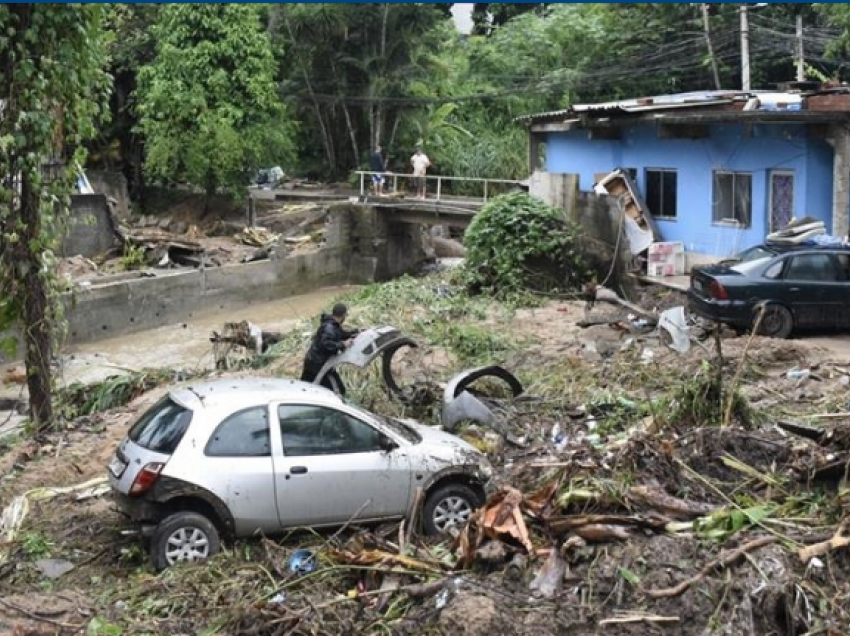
column 54, row 568
column 471, row 614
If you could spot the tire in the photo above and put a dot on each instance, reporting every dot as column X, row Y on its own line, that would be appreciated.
column 449, row 506
column 183, row 537
column 777, row 322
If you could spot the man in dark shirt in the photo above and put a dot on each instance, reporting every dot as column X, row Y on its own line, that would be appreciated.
column 330, row 339
column 376, row 164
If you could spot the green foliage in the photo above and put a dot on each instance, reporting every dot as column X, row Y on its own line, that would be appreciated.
column 517, row 242
column 117, row 390
column 36, row 545
column 208, row 104
column 133, row 257
column 52, row 89
column 701, row 401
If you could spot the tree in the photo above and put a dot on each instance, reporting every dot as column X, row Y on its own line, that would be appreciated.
column 52, row 91
column 208, row 103
column 353, row 71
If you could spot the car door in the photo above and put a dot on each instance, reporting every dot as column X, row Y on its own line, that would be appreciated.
column 332, row 468
column 239, row 470
column 813, row 286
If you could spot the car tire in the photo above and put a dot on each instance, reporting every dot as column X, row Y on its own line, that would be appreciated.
column 449, row 506
column 183, row 537
column 777, row 322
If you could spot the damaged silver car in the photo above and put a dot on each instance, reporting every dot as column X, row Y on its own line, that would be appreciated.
column 233, row 458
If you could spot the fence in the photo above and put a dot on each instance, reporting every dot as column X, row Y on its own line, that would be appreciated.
column 453, row 186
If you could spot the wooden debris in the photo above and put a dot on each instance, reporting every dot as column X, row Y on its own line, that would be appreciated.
column 637, row 617
column 724, row 561
column 601, row 533
column 559, row 525
column 667, row 504
column 837, row 541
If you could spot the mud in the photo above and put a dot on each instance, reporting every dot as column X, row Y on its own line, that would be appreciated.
column 768, row 592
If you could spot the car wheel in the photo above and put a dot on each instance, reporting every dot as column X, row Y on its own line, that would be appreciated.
column 777, row 322
column 449, row 507
column 183, row 536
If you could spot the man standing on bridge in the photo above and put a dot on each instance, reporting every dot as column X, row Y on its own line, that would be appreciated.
column 420, row 163
column 377, row 166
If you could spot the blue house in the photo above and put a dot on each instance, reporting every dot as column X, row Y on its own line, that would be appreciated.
column 718, row 170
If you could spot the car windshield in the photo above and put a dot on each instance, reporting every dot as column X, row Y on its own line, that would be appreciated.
column 754, row 253
column 395, row 425
column 162, row 427
column 749, row 266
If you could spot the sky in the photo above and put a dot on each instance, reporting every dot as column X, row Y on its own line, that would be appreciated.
column 462, row 14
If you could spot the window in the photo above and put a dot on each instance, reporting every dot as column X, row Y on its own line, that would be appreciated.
column 162, row 427
column 661, row 193
column 243, row 434
column 316, row 430
column 813, row 267
column 733, row 201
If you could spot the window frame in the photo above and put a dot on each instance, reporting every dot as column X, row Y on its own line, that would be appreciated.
column 726, row 220
column 263, row 408
column 662, row 216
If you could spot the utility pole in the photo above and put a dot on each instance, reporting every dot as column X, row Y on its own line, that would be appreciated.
column 801, row 72
column 745, row 48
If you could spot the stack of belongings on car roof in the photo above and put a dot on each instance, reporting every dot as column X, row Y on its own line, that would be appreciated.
column 805, row 231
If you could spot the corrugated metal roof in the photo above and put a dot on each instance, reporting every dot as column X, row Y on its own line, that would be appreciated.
column 694, row 99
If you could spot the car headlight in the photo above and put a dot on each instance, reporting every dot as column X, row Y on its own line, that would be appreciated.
column 485, row 468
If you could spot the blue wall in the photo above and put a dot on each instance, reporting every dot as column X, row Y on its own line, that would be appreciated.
column 777, row 147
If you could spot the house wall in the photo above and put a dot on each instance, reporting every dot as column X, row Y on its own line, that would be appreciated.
column 756, row 149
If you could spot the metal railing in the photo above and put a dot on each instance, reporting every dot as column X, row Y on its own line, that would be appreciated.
column 486, row 183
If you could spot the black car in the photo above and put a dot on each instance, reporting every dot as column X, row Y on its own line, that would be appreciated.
column 798, row 287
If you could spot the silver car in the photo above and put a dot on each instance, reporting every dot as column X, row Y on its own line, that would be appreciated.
column 237, row 457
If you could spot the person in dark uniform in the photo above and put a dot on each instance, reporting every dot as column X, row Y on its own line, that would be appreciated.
column 330, row 339
column 376, row 164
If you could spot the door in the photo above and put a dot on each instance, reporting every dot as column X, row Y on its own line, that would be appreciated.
column 781, row 199
column 814, row 287
column 239, row 469
column 333, row 469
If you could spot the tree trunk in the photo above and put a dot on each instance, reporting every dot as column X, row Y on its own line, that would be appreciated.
column 37, row 335
column 706, row 23
column 326, row 137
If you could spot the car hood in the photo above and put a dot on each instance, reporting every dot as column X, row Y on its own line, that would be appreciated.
column 445, row 447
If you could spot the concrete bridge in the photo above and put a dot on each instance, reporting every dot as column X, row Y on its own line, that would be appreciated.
column 441, row 207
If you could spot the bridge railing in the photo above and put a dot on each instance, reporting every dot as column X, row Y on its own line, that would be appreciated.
column 458, row 186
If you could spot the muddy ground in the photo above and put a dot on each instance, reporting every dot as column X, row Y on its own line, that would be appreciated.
column 660, row 511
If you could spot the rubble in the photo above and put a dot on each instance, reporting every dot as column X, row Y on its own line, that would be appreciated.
column 632, row 506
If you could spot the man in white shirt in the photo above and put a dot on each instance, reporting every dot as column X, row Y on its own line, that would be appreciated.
column 420, row 163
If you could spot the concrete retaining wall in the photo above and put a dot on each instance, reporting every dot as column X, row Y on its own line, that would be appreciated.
column 90, row 228
column 362, row 246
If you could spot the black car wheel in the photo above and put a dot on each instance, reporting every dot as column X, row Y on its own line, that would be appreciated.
column 777, row 322
column 449, row 507
column 183, row 536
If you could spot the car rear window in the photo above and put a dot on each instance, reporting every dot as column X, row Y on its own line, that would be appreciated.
column 162, row 427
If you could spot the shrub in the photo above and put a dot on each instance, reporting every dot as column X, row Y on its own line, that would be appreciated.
column 519, row 243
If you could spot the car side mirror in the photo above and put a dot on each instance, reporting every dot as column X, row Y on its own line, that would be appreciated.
column 386, row 444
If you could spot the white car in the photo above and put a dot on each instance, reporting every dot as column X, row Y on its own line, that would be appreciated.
column 239, row 457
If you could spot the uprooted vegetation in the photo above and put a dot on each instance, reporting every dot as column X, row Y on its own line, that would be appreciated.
column 641, row 494
column 517, row 242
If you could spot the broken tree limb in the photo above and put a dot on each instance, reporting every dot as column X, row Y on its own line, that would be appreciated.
column 667, row 504
column 558, row 525
column 602, row 533
column 837, row 541
column 724, row 561
column 603, row 294
column 636, row 617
